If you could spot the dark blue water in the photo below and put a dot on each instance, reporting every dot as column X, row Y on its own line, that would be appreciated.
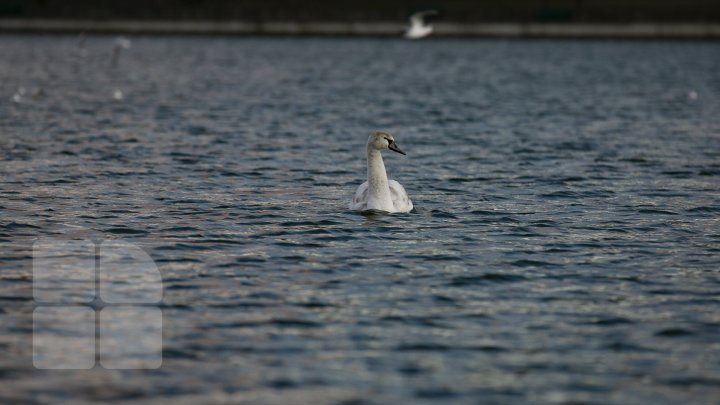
column 565, row 246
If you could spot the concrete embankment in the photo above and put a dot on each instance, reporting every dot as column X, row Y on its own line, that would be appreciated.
column 442, row 29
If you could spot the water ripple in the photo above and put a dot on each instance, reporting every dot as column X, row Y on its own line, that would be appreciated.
column 563, row 249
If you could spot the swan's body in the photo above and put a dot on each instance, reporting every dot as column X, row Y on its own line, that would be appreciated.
column 379, row 193
column 418, row 29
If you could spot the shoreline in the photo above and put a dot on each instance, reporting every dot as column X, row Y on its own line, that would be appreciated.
column 378, row 29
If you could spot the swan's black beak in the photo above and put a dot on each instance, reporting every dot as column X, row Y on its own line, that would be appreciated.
column 393, row 147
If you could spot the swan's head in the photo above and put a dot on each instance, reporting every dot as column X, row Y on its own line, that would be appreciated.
column 382, row 140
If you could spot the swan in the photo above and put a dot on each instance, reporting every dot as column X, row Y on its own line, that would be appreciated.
column 418, row 29
column 379, row 193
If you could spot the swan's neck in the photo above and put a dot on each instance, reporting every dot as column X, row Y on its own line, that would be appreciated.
column 378, row 187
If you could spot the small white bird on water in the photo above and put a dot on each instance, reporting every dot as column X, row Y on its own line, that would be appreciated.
column 379, row 193
column 120, row 43
column 418, row 29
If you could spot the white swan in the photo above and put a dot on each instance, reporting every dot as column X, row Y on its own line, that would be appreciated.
column 379, row 193
column 418, row 29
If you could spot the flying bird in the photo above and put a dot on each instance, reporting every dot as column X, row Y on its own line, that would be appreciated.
column 418, row 29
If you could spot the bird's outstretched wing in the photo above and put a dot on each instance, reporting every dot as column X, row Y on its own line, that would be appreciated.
column 419, row 17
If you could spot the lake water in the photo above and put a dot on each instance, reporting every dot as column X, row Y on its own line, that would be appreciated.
column 565, row 246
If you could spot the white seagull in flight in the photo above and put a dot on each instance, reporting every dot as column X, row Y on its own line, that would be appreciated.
column 418, row 29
